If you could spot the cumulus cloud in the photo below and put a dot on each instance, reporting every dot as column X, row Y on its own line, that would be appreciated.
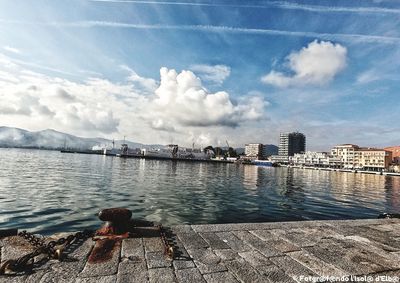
column 182, row 100
column 30, row 98
column 316, row 64
column 64, row 95
column 162, row 125
column 146, row 84
column 215, row 74
column 178, row 107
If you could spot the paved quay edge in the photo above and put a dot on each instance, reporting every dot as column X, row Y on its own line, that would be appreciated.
column 242, row 252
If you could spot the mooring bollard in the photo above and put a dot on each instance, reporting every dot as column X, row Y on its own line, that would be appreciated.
column 118, row 222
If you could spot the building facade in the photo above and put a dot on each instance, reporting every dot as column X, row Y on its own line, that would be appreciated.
column 279, row 159
column 348, row 153
column 315, row 159
column 291, row 143
column 355, row 157
column 395, row 150
column 374, row 159
column 253, row 150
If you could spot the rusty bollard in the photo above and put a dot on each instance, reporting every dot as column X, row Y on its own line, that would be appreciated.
column 108, row 238
column 118, row 222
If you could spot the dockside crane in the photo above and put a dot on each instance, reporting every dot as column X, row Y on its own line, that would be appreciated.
column 229, row 154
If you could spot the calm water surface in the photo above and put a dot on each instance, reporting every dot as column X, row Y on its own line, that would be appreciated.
column 49, row 191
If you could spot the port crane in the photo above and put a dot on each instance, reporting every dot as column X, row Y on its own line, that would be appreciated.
column 229, row 154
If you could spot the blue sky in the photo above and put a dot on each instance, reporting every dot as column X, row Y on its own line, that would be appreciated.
column 203, row 72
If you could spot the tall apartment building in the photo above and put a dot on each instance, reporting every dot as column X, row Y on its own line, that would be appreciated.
column 253, row 150
column 291, row 143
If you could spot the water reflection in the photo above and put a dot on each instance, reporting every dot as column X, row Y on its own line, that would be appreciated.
column 48, row 191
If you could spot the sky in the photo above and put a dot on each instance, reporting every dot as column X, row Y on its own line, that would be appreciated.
column 203, row 72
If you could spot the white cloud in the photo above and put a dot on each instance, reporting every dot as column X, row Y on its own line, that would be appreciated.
column 215, row 74
column 179, row 108
column 182, row 100
column 146, row 84
column 34, row 100
column 64, row 95
column 11, row 49
column 368, row 76
column 316, row 64
column 162, row 125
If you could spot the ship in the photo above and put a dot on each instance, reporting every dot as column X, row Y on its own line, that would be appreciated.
column 265, row 163
column 173, row 151
column 125, row 151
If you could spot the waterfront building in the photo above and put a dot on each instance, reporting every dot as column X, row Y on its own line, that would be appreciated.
column 354, row 157
column 279, row 159
column 316, row 159
column 374, row 159
column 291, row 143
column 253, row 150
column 347, row 153
column 395, row 150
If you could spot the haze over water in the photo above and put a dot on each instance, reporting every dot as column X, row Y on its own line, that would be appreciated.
column 49, row 191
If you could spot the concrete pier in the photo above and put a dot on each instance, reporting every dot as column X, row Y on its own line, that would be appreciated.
column 359, row 250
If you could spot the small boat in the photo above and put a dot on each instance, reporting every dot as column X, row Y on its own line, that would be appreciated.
column 263, row 163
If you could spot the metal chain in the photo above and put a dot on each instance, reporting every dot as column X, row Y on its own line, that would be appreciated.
column 26, row 262
column 169, row 249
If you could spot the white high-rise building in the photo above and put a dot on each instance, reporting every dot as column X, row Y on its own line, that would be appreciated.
column 253, row 150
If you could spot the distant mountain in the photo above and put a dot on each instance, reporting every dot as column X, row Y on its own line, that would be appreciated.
column 51, row 139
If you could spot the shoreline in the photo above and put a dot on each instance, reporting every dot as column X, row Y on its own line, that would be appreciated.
column 384, row 173
column 394, row 174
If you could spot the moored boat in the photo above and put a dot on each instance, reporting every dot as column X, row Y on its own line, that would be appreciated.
column 266, row 163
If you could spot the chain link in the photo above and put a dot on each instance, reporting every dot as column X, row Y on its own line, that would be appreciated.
column 169, row 249
column 26, row 262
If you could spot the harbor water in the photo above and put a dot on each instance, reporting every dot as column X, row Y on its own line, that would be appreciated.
column 49, row 191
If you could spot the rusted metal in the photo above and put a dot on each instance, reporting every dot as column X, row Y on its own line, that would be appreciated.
column 8, row 232
column 116, row 215
column 103, row 250
column 25, row 263
column 108, row 239
column 119, row 226
column 5, row 267
column 111, row 237
column 169, row 249
column 118, row 222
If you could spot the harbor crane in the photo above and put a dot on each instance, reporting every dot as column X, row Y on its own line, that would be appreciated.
column 229, row 154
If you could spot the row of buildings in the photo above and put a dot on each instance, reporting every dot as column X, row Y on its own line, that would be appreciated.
column 292, row 150
column 289, row 144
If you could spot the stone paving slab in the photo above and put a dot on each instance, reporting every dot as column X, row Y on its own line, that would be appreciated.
column 247, row 252
column 233, row 242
